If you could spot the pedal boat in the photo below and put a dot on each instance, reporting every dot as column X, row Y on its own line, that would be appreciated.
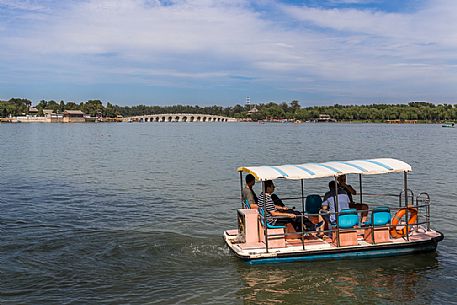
column 398, row 224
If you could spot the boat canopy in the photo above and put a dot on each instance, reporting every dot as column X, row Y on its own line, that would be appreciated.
column 327, row 169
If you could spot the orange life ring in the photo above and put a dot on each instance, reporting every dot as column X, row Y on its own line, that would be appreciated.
column 396, row 219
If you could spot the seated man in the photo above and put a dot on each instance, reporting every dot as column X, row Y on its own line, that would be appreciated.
column 329, row 203
column 248, row 193
column 291, row 221
column 351, row 191
column 280, row 206
column 331, row 192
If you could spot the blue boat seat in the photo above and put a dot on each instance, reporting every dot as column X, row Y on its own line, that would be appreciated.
column 380, row 217
column 313, row 204
column 346, row 235
column 348, row 218
column 246, row 204
column 269, row 226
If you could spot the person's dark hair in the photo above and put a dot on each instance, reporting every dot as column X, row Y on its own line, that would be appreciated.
column 268, row 184
column 249, row 178
column 331, row 185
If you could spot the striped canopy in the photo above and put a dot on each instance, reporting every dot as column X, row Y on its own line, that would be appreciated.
column 327, row 169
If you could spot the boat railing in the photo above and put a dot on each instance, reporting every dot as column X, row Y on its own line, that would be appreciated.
column 408, row 197
column 365, row 196
column 421, row 203
column 423, row 200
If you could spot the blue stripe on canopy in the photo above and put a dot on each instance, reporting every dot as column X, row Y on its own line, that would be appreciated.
column 329, row 167
column 380, row 164
column 280, row 171
column 305, row 170
column 353, row 165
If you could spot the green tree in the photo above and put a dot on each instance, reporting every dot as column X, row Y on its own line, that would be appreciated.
column 71, row 106
column 294, row 105
column 53, row 105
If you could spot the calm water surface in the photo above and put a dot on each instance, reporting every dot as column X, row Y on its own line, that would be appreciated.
column 134, row 213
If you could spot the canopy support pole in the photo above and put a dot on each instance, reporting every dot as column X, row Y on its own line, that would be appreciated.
column 360, row 187
column 265, row 230
column 337, row 213
column 241, row 189
column 405, row 185
column 303, row 214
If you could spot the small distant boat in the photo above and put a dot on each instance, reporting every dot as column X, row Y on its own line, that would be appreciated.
column 448, row 125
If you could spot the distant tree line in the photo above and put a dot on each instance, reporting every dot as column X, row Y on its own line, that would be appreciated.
column 421, row 111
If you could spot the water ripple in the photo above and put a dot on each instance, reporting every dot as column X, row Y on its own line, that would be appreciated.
column 133, row 213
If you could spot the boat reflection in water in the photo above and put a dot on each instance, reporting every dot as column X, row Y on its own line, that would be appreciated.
column 392, row 279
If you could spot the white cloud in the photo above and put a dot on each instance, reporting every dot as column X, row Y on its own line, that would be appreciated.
column 433, row 24
column 22, row 5
column 206, row 40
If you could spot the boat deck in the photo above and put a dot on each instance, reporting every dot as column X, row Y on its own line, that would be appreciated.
column 316, row 244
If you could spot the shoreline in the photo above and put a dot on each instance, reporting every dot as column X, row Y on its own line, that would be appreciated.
column 16, row 120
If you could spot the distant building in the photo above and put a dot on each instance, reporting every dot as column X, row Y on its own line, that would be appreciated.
column 33, row 111
column 73, row 116
column 324, row 118
column 398, row 121
column 48, row 112
column 253, row 110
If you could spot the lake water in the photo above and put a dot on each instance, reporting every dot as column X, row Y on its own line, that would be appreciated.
column 134, row 213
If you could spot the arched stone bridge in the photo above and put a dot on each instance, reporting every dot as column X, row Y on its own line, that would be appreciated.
column 179, row 117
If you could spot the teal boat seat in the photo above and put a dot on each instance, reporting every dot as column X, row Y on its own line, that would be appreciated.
column 380, row 217
column 348, row 218
column 313, row 204
column 246, row 204
column 269, row 226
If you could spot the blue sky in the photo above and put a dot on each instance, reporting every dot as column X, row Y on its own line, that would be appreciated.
column 207, row 52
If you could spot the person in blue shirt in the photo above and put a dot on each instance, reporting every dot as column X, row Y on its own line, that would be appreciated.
column 351, row 191
column 329, row 203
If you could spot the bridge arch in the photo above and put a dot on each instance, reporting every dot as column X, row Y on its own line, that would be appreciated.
column 178, row 117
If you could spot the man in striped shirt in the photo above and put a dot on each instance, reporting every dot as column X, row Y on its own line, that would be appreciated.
column 290, row 220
